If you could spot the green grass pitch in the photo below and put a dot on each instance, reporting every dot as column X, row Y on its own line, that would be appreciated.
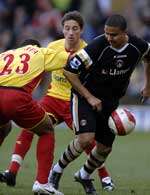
column 129, row 165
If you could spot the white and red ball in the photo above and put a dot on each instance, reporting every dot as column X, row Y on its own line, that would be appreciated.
column 122, row 121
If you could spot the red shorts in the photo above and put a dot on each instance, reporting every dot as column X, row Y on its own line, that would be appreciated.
column 19, row 106
column 57, row 107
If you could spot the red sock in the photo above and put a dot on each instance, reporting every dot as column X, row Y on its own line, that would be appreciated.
column 45, row 156
column 102, row 171
column 22, row 146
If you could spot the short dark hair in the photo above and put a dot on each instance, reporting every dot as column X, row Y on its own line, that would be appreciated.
column 30, row 42
column 117, row 20
column 73, row 15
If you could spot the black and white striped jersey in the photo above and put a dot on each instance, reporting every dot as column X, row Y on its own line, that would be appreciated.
column 105, row 71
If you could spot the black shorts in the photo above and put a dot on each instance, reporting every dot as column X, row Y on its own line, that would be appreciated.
column 85, row 119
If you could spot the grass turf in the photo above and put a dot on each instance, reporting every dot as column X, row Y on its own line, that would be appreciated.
column 128, row 163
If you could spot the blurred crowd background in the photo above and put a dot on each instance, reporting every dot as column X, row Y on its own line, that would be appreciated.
column 40, row 19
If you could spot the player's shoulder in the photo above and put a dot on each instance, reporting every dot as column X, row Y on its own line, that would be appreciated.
column 31, row 49
column 54, row 51
column 28, row 49
column 47, row 51
column 82, row 43
column 138, row 42
column 57, row 44
column 134, row 39
column 100, row 41
column 97, row 45
column 101, row 38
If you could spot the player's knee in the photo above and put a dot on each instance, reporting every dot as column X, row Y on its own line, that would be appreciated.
column 5, row 130
column 85, row 139
column 44, row 126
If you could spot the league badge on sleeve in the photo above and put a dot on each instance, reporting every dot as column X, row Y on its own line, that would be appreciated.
column 75, row 63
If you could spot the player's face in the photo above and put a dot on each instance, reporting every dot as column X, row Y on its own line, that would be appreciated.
column 115, row 36
column 71, row 31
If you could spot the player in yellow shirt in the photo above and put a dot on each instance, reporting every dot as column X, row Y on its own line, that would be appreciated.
column 56, row 102
column 20, row 72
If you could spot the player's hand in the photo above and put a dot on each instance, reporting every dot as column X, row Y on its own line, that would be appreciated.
column 95, row 103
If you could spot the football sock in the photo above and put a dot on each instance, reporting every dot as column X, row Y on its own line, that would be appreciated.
column 22, row 146
column 45, row 155
column 15, row 164
column 94, row 160
column 71, row 153
column 102, row 171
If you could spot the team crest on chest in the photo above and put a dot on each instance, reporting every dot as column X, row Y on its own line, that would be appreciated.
column 119, row 63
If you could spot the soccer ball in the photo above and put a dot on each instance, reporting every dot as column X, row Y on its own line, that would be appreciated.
column 122, row 121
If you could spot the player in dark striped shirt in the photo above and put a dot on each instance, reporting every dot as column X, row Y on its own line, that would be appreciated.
column 100, row 74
